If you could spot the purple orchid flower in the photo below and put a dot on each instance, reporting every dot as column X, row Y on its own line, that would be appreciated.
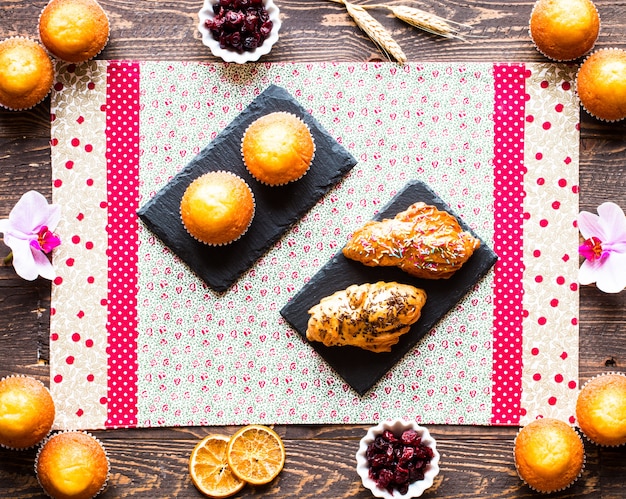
column 29, row 233
column 604, row 248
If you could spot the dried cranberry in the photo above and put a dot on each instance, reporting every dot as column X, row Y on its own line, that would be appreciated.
column 397, row 461
column 409, row 437
column 241, row 25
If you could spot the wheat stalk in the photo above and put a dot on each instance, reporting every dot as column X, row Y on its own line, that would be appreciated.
column 374, row 30
column 424, row 20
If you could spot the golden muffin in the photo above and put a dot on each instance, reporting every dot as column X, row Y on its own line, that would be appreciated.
column 74, row 30
column 72, row 465
column 26, row 412
column 601, row 84
column 601, row 409
column 277, row 148
column 26, row 73
column 549, row 455
column 217, row 208
column 564, row 30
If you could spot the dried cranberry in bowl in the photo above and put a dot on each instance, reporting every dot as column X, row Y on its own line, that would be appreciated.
column 397, row 459
column 239, row 31
column 241, row 25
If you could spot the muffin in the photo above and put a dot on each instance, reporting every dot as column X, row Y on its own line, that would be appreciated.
column 277, row 148
column 74, row 30
column 601, row 84
column 26, row 73
column 549, row 455
column 72, row 465
column 26, row 412
column 564, row 30
column 601, row 409
column 217, row 208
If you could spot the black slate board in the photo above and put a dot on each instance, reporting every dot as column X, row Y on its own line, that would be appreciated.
column 360, row 368
column 277, row 208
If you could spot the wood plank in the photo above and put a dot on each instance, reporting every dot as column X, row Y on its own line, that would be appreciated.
column 477, row 461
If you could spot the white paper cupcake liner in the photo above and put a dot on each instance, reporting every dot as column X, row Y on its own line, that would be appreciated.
column 55, row 56
column 53, row 435
column 51, row 85
column 588, row 439
column 249, row 223
column 292, row 180
column 49, row 431
column 609, row 49
column 582, row 468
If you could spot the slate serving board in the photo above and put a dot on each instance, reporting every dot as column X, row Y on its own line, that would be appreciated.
column 277, row 208
column 360, row 368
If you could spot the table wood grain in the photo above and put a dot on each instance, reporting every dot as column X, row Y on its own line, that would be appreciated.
column 152, row 463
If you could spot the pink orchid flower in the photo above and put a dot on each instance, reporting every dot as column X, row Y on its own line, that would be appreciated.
column 604, row 248
column 29, row 233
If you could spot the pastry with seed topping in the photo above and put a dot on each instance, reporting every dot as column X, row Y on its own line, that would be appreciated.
column 423, row 241
column 368, row 316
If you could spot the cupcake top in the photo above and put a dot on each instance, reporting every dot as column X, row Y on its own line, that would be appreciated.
column 217, row 208
column 277, row 148
column 601, row 84
column 564, row 30
column 26, row 412
column 74, row 30
column 26, row 73
column 601, row 409
column 549, row 455
column 72, row 465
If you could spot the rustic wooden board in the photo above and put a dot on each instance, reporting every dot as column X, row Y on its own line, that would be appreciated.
column 476, row 462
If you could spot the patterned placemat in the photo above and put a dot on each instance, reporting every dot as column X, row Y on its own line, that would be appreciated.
column 137, row 339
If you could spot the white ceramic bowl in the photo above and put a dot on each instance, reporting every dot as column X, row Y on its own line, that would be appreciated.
column 397, row 426
column 232, row 55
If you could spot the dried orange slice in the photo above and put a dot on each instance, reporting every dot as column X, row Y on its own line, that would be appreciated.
column 209, row 470
column 256, row 454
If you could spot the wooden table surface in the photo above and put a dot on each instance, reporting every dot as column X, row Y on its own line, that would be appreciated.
column 476, row 461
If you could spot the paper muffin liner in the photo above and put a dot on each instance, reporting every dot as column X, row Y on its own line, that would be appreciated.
column 49, row 431
column 601, row 375
column 53, row 55
column 4, row 106
column 51, row 436
column 608, row 49
column 249, row 223
column 572, row 482
column 553, row 58
column 294, row 179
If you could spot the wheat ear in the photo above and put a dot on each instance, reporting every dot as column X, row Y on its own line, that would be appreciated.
column 424, row 20
column 374, row 30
